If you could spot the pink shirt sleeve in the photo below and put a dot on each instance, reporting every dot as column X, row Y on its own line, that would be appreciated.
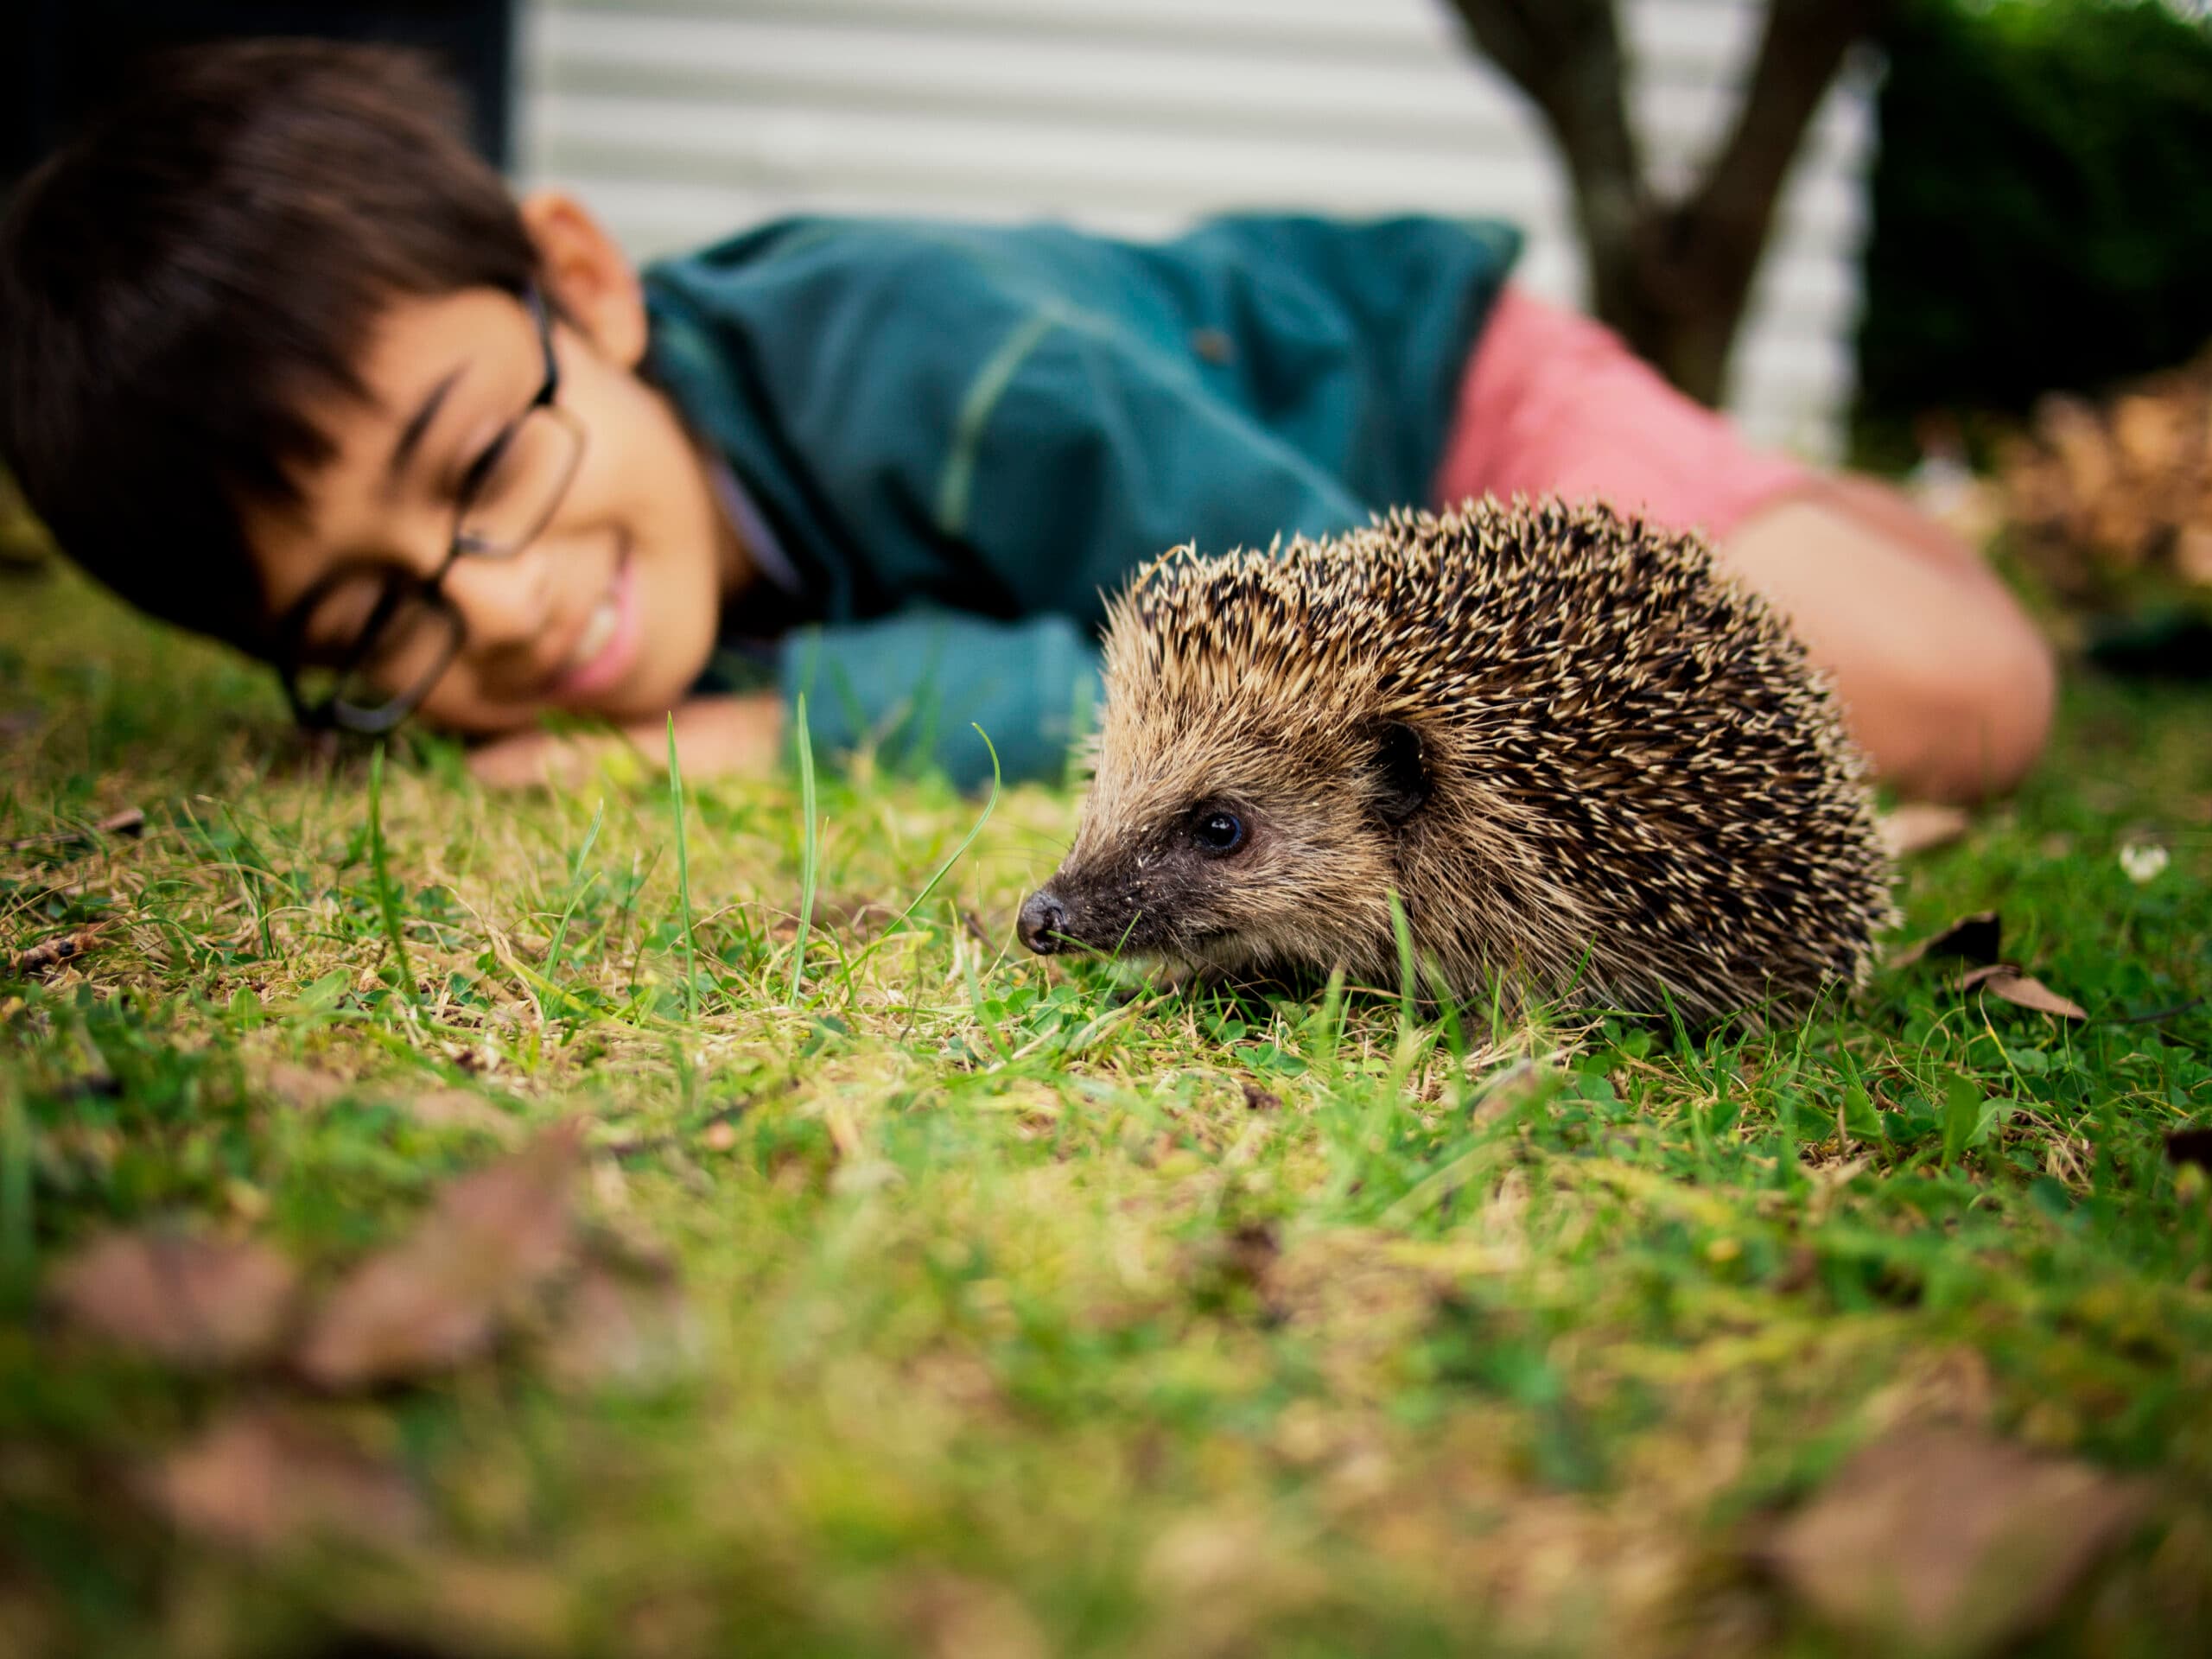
column 1555, row 404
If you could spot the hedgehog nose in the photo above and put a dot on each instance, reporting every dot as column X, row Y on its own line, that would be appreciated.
column 1043, row 919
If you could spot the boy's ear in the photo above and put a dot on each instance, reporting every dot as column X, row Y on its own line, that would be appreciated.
column 586, row 273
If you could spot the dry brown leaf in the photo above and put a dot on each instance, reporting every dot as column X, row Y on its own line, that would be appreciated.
column 1945, row 1540
column 191, row 1302
column 49, row 954
column 2002, row 979
column 1916, row 826
column 437, row 1298
column 946, row 1616
column 263, row 1479
column 625, row 1323
column 1972, row 937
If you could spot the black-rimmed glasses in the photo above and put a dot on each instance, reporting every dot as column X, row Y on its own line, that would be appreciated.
column 411, row 631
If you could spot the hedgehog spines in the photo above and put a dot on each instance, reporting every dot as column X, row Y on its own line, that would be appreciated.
column 1632, row 760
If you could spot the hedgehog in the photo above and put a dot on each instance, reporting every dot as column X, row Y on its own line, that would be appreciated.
column 1580, row 762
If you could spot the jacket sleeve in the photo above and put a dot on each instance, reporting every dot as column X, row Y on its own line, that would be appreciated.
column 1085, row 451
column 1077, row 455
column 916, row 687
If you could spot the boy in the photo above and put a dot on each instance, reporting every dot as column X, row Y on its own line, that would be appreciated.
column 283, row 362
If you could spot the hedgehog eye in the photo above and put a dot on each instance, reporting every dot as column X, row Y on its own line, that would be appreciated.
column 1218, row 832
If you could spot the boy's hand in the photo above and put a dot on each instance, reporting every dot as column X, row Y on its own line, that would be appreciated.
column 715, row 737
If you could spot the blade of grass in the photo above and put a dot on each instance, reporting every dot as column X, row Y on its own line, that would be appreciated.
column 577, row 889
column 683, row 878
column 18, row 1239
column 809, row 865
column 387, row 895
column 943, row 870
column 1402, row 931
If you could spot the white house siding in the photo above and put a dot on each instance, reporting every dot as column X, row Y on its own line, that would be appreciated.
column 682, row 120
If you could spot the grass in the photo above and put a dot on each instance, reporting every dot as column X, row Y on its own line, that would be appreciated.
column 1028, row 1318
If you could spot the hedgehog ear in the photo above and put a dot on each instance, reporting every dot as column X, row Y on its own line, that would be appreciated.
column 1400, row 764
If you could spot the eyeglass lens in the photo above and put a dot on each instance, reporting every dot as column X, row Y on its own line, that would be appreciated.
column 421, row 631
column 513, row 502
column 395, row 669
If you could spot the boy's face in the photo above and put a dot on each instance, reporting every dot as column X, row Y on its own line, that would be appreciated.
column 610, row 609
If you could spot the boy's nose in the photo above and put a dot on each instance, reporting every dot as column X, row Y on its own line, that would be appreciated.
column 504, row 604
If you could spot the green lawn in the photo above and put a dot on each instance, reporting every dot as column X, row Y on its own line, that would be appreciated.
column 923, row 1298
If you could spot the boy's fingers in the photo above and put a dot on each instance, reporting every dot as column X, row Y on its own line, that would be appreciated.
column 508, row 762
column 534, row 758
column 715, row 737
column 720, row 736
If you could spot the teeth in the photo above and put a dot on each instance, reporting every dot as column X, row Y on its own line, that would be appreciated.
column 597, row 634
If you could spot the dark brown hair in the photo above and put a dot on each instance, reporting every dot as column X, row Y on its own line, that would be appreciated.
column 205, row 260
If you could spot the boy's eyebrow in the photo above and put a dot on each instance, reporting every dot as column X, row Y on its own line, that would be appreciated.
column 410, row 435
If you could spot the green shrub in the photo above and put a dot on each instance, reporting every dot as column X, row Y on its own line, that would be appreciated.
column 2042, row 203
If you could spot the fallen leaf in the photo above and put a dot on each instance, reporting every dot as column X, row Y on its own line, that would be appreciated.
column 196, row 1303
column 1971, row 938
column 946, row 1616
column 49, row 954
column 1945, row 1540
column 2002, row 979
column 437, row 1298
column 624, row 1322
column 262, row 1479
column 1916, row 826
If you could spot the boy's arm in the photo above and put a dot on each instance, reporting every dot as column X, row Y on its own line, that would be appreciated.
column 1078, row 457
column 919, row 684
column 918, row 687
column 1946, row 683
column 715, row 737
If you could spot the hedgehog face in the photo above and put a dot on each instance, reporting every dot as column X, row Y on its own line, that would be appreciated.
column 1217, row 847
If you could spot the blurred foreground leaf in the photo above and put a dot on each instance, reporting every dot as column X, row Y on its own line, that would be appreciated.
column 1943, row 1541
column 435, row 1299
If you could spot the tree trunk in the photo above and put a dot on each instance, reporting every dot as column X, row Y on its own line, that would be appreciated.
column 1671, row 275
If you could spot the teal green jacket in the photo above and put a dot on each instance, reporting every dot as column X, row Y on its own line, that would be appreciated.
column 952, row 443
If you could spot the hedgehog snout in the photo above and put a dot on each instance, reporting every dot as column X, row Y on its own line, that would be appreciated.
column 1043, row 921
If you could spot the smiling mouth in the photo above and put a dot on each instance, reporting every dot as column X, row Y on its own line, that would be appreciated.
column 607, row 642
column 598, row 632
